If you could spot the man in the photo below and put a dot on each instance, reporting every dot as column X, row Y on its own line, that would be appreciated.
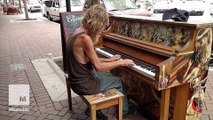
column 89, row 73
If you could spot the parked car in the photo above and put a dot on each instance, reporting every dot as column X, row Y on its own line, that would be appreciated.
column 5, row 8
column 195, row 7
column 59, row 6
column 144, row 4
column 44, row 4
column 120, row 7
column 159, row 6
column 10, row 9
column 211, row 7
column 32, row 7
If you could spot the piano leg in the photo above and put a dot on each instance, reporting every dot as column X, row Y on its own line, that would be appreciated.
column 181, row 99
column 164, row 106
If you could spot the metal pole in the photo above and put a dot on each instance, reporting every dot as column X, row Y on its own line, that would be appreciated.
column 68, row 5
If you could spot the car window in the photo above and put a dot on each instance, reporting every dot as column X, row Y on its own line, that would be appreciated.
column 160, row 0
column 55, row 4
column 72, row 2
column 119, row 4
column 48, row 3
column 76, row 3
column 194, row 0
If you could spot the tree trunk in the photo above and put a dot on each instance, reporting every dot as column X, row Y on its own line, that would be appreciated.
column 25, row 10
column 20, row 7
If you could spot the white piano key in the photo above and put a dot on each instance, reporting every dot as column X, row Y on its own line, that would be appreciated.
column 137, row 67
column 104, row 52
column 144, row 70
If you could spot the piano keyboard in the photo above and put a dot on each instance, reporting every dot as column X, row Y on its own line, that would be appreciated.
column 139, row 66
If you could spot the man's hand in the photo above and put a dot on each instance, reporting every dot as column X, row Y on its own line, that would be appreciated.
column 115, row 57
column 127, row 62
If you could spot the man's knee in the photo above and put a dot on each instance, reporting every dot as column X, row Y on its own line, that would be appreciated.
column 119, row 84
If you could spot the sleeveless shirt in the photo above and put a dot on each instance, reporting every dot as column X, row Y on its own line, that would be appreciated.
column 81, row 76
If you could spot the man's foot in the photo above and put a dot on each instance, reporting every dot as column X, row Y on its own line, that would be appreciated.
column 99, row 114
column 131, row 113
column 132, row 110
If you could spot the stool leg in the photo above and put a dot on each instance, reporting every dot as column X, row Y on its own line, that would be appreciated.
column 69, row 94
column 93, row 112
column 120, row 108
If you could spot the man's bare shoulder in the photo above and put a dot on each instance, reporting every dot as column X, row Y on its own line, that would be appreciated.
column 85, row 38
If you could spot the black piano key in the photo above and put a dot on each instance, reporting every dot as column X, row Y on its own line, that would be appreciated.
column 153, row 70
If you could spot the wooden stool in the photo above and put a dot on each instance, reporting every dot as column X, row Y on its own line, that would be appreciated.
column 111, row 97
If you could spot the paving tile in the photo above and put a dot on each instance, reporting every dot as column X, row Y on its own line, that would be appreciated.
column 50, row 111
column 53, row 117
column 80, row 116
column 63, row 111
column 67, row 116
column 4, row 117
column 4, row 112
column 12, row 113
column 16, row 117
column 49, row 105
column 27, row 112
column 205, row 117
column 42, row 103
column 83, row 106
column 78, row 111
column 64, row 103
column 77, row 100
column 42, row 108
column 3, row 107
column 37, row 114
column 27, row 117
column 41, row 117
column 58, row 105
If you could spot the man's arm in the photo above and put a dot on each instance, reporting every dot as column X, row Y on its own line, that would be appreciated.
column 88, row 47
column 114, row 58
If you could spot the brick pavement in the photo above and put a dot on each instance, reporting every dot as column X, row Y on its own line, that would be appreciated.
column 21, row 42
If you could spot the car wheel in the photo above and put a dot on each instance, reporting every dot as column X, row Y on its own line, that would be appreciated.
column 49, row 17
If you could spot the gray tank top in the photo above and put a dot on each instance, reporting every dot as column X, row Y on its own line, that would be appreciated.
column 81, row 76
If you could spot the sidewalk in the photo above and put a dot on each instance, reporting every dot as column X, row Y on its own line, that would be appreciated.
column 21, row 42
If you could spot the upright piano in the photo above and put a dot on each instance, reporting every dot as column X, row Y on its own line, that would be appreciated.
column 171, row 63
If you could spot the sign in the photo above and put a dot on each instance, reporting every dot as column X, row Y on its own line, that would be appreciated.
column 69, row 22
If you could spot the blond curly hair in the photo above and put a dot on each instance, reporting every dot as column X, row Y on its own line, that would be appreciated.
column 95, row 19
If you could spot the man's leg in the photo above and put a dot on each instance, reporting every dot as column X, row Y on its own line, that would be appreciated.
column 109, row 81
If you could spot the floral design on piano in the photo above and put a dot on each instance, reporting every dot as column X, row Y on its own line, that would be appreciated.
column 175, row 37
column 193, row 69
column 198, row 65
column 122, row 27
column 146, row 32
column 197, row 71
